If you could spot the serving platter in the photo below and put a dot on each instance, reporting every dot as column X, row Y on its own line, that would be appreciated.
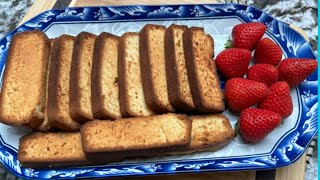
column 280, row 148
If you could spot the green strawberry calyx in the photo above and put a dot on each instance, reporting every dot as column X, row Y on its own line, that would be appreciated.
column 228, row 44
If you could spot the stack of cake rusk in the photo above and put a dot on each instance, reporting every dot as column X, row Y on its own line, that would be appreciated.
column 96, row 99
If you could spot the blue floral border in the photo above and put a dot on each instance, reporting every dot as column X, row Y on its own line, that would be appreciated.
column 288, row 150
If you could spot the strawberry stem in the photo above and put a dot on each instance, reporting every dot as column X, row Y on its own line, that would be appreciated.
column 237, row 128
column 228, row 44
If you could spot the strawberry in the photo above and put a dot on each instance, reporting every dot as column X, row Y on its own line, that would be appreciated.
column 233, row 62
column 265, row 73
column 247, row 35
column 295, row 70
column 278, row 100
column 255, row 124
column 243, row 93
column 267, row 52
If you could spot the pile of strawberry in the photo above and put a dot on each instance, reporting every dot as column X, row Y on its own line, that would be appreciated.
column 267, row 83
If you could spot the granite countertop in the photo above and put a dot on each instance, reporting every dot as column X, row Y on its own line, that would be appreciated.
column 302, row 14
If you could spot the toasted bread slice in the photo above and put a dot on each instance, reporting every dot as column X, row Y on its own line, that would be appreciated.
column 41, row 150
column 210, row 132
column 153, row 68
column 203, row 78
column 45, row 125
column 136, row 136
column 58, row 89
column 80, row 77
column 104, row 80
column 132, row 100
column 22, row 98
column 48, row 149
column 177, row 78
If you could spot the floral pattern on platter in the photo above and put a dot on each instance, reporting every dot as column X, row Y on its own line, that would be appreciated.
column 289, row 147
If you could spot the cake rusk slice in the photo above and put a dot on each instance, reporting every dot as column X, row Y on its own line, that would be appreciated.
column 45, row 126
column 202, row 74
column 131, row 92
column 22, row 97
column 58, row 89
column 51, row 149
column 153, row 68
column 210, row 132
column 80, row 77
column 177, row 78
column 61, row 149
column 140, row 136
column 104, row 79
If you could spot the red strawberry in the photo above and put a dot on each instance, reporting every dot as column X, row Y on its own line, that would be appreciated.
column 247, row 35
column 265, row 73
column 278, row 100
column 243, row 93
column 295, row 70
column 267, row 52
column 233, row 62
column 256, row 124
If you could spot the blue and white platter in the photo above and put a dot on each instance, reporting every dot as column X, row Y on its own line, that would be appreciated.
column 280, row 148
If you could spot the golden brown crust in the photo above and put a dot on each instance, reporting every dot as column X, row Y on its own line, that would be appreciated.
column 220, row 104
column 58, row 97
column 146, row 72
column 80, row 105
column 45, row 126
column 153, row 97
column 136, row 148
column 52, row 103
column 138, row 153
column 131, row 92
column 210, row 147
column 193, row 62
column 99, row 109
column 24, row 79
column 187, row 43
column 121, row 69
column 176, row 90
